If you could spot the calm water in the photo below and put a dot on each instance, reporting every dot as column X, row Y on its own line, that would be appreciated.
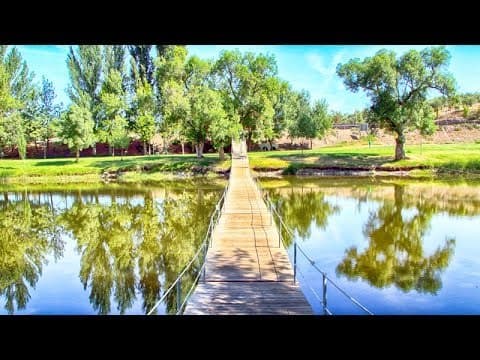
column 399, row 247
column 107, row 250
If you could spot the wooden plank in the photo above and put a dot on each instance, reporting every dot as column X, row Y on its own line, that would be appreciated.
column 246, row 270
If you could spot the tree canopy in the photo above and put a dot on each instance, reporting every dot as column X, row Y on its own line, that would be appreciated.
column 398, row 87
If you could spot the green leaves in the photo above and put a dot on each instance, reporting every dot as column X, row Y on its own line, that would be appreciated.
column 398, row 87
column 250, row 89
column 77, row 128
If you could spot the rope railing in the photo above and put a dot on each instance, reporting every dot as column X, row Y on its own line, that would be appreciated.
column 214, row 218
column 325, row 277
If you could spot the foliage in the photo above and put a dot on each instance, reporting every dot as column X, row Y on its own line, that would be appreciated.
column 77, row 129
column 249, row 86
column 398, row 87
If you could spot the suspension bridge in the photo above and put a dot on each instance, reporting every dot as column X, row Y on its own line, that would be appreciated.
column 241, row 267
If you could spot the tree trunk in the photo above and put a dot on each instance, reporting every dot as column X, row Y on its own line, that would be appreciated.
column 399, row 147
column 249, row 142
column 144, row 148
column 45, row 148
column 149, row 149
column 199, row 149
column 113, row 151
column 183, row 148
column 48, row 146
column 109, row 149
column 221, row 153
column 311, row 144
column 94, row 149
column 77, row 155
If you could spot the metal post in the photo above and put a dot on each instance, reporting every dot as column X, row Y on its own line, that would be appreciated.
column 324, row 293
column 204, row 260
column 179, row 294
column 294, row 262
column 280, row 236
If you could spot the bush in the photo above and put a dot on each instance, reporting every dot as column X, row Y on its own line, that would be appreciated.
column 292, row 169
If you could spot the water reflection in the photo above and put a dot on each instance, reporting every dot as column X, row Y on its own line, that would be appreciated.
column 395, row 254
column 28, row 233
column 395, row 244
column 300, row 208
column 130, row 245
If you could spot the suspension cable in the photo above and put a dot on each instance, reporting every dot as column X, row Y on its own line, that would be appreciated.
column 266, row 198
column 205, row 242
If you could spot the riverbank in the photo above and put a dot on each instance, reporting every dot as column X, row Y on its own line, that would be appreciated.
column 107, row 169
column 362, row 160
column 345, row 160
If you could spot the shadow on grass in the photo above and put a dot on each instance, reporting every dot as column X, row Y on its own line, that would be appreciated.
column 155, row 162
column 334, row 159
column 471, row 166
column 55, row 163
column 354, row 159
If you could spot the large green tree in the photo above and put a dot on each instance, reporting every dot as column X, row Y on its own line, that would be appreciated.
column 143, row 107
column 172, row 104
column 398, row 87
column 250, row 87
column 205, row 104
column 76, row 129
column 85, row 66
column 49, row 113
column 114, row 58
column 142, row 65
column 17, row 99
column 113, row 106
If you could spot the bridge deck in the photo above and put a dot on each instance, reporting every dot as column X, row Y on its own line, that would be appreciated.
column 247, row 272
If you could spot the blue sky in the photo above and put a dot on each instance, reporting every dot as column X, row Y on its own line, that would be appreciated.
column 309, row 67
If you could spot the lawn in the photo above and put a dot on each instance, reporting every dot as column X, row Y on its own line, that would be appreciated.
column 90, row 168
column 443, row 158
column 448, row 158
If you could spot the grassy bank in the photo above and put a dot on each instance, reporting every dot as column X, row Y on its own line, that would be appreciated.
column 90, row 169
column 439, row 159
column 449, row 159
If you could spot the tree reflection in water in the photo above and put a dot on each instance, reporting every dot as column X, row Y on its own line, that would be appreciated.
column 300, row 208
column 156, row 238
column 128, row 249
column 28, row 234
column 395, row 254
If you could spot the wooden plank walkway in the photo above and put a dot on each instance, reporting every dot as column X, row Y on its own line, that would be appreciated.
column 247, row 271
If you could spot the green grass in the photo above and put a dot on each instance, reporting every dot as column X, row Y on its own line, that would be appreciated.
column 446, row 158
column 89, row 169
column 433, row 159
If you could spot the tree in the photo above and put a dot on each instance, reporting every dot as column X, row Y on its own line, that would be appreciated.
column 113, row 103
column 115, row 59
column 321, row 120
column 77, row 129
column 142, row 66
column 172, row 104
column 249, row 85
column 17, row 99
column 143, row 109
column 205, row 104
column 222, row 130
column 307, row 121
column 424, row 122
column 85, row 67
column 398, row 87
column 299, row 114
column 49, row 112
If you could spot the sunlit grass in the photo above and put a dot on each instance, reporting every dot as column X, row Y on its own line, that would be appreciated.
column 89, row 168
column 443, row 158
